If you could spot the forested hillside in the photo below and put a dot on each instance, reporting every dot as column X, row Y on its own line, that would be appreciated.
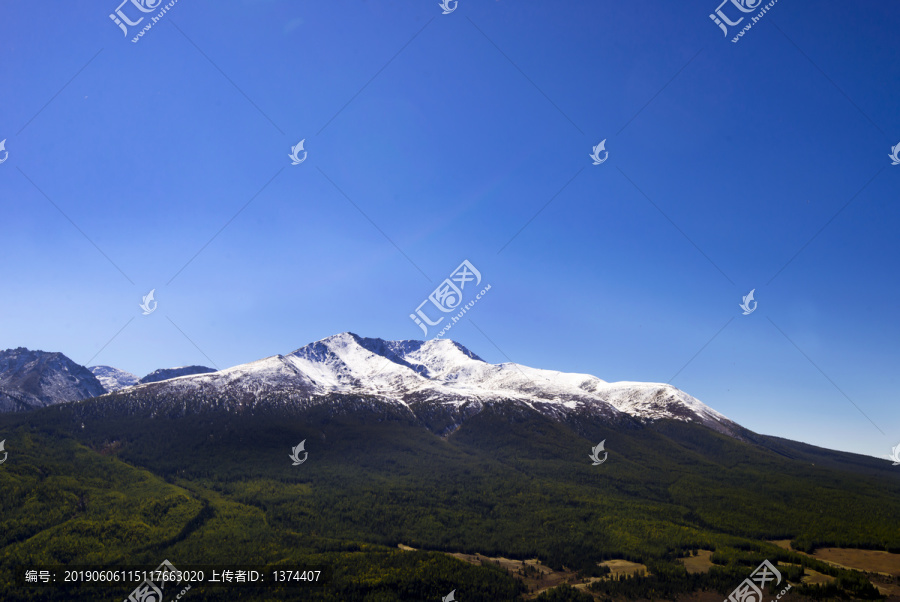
column 216, row 487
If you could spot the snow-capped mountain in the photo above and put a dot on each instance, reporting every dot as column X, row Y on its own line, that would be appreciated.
column 34, row 379
column 167, row 373
column 113, row 379
column 422, row 378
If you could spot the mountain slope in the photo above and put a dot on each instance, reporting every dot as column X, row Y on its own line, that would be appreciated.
column 387, row 465
column 33, row 379
column 113, row 379
column 438, row 382
column 508, row 482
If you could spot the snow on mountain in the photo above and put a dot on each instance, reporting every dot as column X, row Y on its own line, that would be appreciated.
column 167, row 373
column 34, row 379
column 420, row 375
column 113, row 379
column 654, row 401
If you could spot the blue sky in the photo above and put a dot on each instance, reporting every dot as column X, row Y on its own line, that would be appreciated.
column 431, row 139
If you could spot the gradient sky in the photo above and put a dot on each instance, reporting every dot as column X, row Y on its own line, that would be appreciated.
column 434, row 138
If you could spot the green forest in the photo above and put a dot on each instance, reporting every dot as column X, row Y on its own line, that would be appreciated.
column 82, row 487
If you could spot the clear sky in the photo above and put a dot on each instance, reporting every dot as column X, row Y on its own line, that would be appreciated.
column 432, row 139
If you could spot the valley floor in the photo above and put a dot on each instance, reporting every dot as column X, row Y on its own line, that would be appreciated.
column 883, row 569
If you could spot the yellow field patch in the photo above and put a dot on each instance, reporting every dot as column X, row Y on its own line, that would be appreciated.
column 872, row 561
column 623, row 567
column 700, row 563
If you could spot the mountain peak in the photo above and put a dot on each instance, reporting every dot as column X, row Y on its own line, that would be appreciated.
column 31, row 379
column 113, row 379
column 437, row 376
column 167, row 373
column 353, row 358
column 344, row 339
